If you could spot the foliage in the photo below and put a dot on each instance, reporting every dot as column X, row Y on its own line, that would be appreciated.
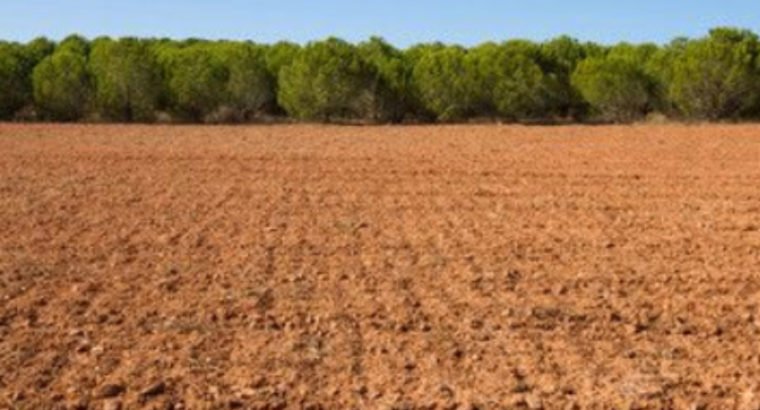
column 62, row 85
column 615, row 86
column 507, row 81
column 127, row 79
column 558, row 59
column 713, row 78
column 441, row 81
column 326, row 80
column 196, row 80
column 276, row 57
column 250, row 85
column 389, row 88
column 717, row 77
column 13, row 81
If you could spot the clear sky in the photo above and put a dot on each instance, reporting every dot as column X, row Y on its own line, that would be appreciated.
column 402, row 22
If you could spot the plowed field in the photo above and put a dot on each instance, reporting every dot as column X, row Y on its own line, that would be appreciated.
column 443, row 267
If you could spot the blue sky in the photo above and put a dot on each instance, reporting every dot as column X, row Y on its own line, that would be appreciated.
column 401, row 22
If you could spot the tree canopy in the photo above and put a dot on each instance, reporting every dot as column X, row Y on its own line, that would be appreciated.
column 127, row 79
column 62, row 85
column 326, row 80
column 715, row 77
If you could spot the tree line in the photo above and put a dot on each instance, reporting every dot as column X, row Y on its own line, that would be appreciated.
column 716, row 77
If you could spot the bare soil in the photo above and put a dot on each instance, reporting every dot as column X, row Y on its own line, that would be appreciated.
column 442, row 267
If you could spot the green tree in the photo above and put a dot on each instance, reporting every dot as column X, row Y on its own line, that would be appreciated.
column 75, row 43
column 416, row 108
column 127, row 79
column 17, row 61
column 507, row 81
column 277, row 56
column 197, row 81
column 14, row 81
column 441, row 82
column 659, row 67
column 616, row 87
column 558, row 59
column 389, row 88
column 250, row 86
column 326, row 80
column 717, row 76
column 61, row 85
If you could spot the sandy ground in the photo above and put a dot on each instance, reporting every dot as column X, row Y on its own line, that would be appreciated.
column 442, row 267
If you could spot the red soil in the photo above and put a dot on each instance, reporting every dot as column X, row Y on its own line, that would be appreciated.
column 379, row 267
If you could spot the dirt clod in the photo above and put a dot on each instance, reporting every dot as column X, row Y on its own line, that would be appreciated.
column 111, row 390
column 152, row 390
column 112, row 405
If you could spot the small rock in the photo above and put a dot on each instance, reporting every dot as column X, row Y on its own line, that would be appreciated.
column 111, row 390
column 83, row 348
column 749, row 401
column 246, row 393
column 362, row 390
column 79, row 404
column 76, row 332
column 259, row 382
column 568, row 390
column 534, row 402
column 98, row 350
column 154, row 389
column 572, row 406
column 112, row 405
column 446, row 391
column 521, row 387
